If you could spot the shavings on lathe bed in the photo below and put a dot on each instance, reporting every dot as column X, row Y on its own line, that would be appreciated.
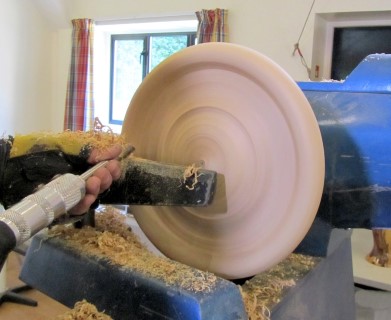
column 112, row 239
column 266, row 289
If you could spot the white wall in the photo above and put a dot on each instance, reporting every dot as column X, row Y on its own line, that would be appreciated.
column 33, row 83
column 25, row 64
column 269, row 26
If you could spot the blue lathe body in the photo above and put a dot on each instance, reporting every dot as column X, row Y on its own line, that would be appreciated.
column 354, row 117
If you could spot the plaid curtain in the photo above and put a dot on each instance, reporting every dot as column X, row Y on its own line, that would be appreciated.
column 79, row 106
column 212, row 25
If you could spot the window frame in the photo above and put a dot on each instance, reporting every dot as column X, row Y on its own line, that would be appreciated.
column 144, row 55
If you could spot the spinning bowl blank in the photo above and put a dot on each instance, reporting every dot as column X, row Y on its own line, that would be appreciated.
column 244, row 117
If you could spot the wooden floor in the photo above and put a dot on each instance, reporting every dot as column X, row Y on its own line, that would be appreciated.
column 47, row 308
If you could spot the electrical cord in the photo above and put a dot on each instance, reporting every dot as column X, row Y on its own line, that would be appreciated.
column 297, row 44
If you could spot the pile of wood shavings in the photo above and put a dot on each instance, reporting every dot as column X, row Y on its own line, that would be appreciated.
column 266, row 289
column 112, row 240
column 83, row 311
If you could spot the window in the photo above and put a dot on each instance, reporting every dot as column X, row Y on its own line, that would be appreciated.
column 126, row 51
column 332, row 28
column 352, row 44
column 133, row 56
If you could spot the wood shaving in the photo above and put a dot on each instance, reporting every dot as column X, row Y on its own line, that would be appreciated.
column 112, row 240
column 265, row 290
column 190, row 176
column 383, row 260
column 83, row 310
column 380, row 255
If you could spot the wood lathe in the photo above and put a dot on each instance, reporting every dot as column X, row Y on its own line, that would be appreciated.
column 267, row 138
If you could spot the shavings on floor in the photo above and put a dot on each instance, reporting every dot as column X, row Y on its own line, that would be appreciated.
column 83, row 310
column 266, row 289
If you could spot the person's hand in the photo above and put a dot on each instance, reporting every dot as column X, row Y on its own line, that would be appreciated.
column 29, row 161
column 102, row 179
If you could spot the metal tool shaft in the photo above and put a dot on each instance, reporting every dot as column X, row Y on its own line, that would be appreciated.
column 91, row 171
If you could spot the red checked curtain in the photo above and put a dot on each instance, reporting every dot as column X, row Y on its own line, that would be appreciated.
column 79, row 107
column 212, row 25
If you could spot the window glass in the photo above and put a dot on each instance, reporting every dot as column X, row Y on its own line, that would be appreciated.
column 164, row 46
column 132, row 57
column 127, row 74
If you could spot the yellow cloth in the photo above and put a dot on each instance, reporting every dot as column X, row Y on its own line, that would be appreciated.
column 69, row 142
